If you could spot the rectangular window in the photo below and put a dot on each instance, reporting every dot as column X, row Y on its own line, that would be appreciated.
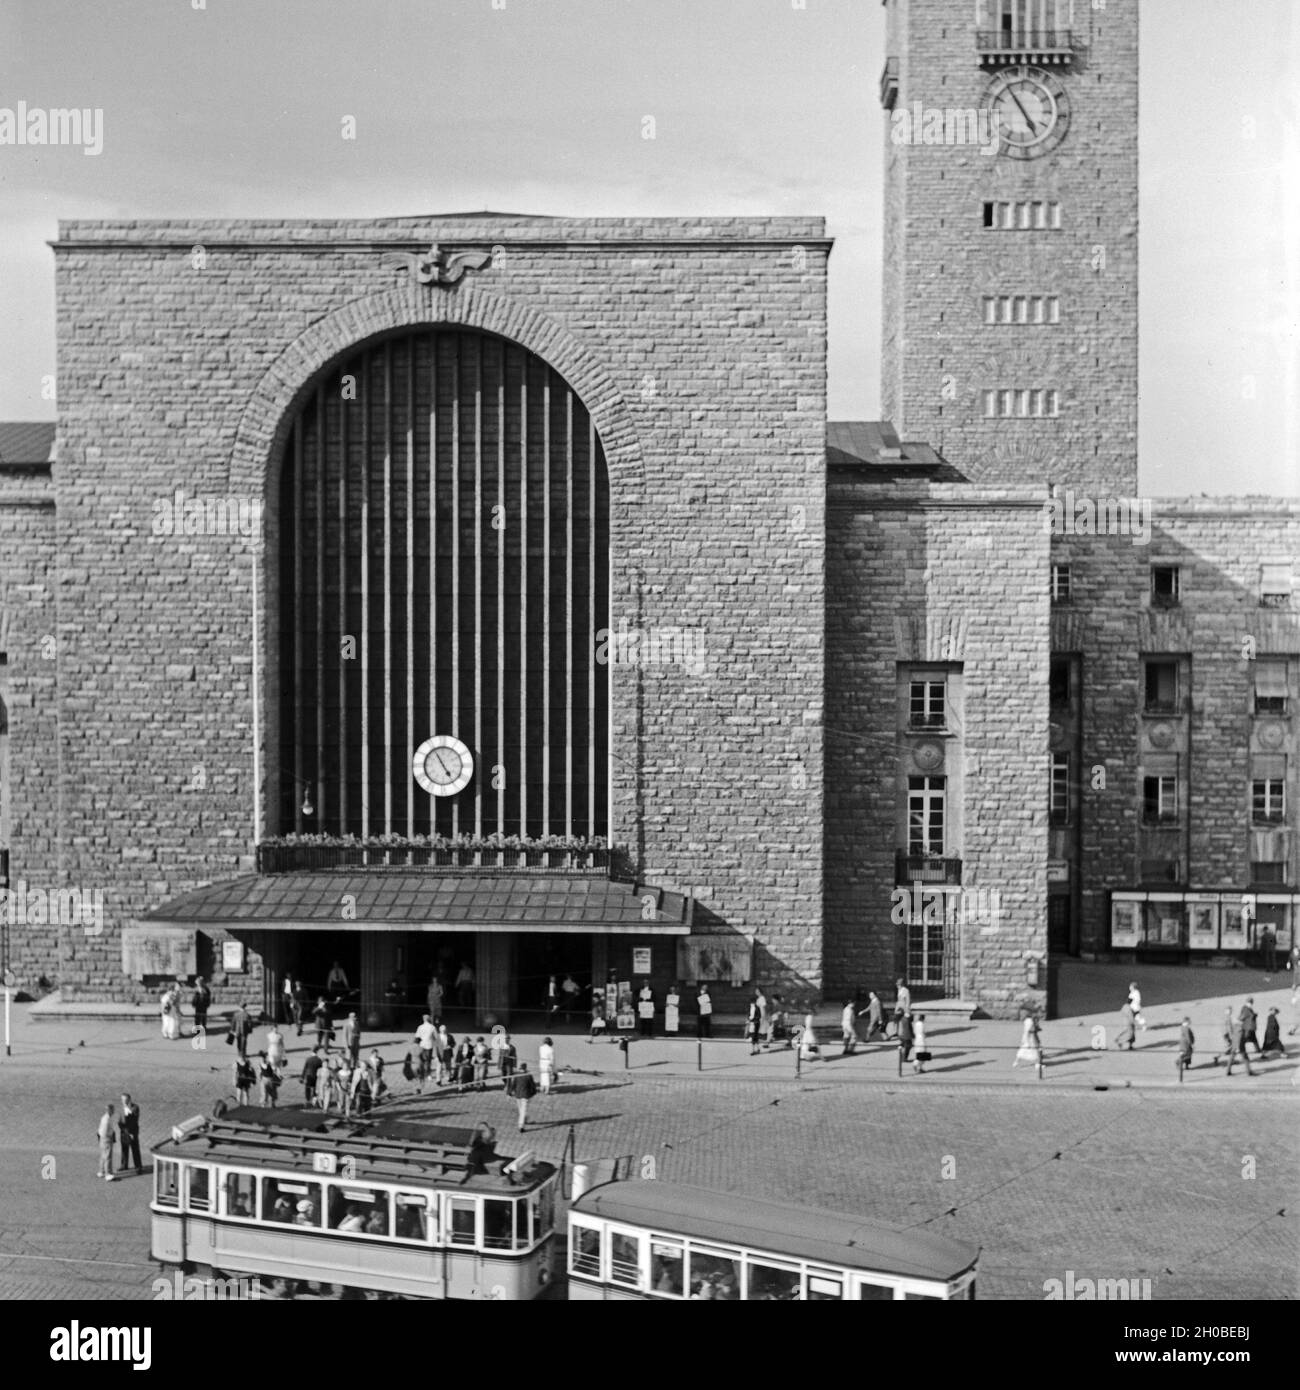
column 927, row 704
column 291, row 1202
column 1023, row 402
column 1164, row 586
column 1268, row 872
column 667, row 1267
column 463, row 1214
column 1162, row 687
column 167, row 1183
column 1059, row 682
column 825, row 1286
column 1033, row 214
column 1268, row 800
column 875, row 1293
column 1275, row 585
column 543, row 1207
column 1060, row 583
column 1271, row 686
column 625, row 1259
column 357, row 1210
column 715, row 1274
column 1159, row 800
column 925, row 815
column 200, row 1188
column 584, row 1251
column 413, row 1217
column 1059, row 805
column 498, row 1223
column 240, row 1195
column 772, row 1283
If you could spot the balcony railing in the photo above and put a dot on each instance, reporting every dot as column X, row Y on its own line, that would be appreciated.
column 926, row 868
column 889, row 84
column 997, row 47
column 288, row 859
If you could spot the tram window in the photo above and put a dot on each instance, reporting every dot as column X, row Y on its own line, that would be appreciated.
column 296, row 1203
column 824, row 1286
column 522, row 1238
column 771, row 1283
column 412, row 1216
column 667, row 1267
column 714, row 1276
column 463, row 1220
column 584, row 1250
column 877, row 1292
column 167, row 1183
column 543, row 1205
column 624, row 1259
column 924, row 1297
column 241, row 1195
column 200, row 1189
column 361, row 1210
column 498, row 1223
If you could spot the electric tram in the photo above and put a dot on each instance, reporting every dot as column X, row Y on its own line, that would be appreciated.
column 385, row 1207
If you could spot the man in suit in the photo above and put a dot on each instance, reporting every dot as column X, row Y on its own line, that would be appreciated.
column 1248, row 1025
column 128, row 1129
column 241, row 1028
column 1238, row 1044
column 106, row 1134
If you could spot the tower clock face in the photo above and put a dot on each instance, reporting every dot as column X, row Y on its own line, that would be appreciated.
column 1031, row 109
column 443, row 765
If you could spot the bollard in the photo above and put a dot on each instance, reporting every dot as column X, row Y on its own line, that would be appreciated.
column 798, row 1060
column 1038, row 1064
column 699, row 1054
column 900, row 1058
column 624, row 1046
column 1182, row 1067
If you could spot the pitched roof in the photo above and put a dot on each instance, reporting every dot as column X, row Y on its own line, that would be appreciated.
column 26, row 441
column 421, row 899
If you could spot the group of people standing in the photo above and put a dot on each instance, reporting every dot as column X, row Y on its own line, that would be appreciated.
column 119, row 1127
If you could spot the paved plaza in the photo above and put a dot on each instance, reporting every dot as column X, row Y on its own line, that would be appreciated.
column 1106, row 1166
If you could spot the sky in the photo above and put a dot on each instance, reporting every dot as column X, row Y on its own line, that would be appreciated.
column 234, row 108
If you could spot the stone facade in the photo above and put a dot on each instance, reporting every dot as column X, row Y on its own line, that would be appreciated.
column 699, row 348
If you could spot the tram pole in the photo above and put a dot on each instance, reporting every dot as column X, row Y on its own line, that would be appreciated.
column 8, row 1053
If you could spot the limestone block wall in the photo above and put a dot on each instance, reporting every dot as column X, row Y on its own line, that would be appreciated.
column 699, row 347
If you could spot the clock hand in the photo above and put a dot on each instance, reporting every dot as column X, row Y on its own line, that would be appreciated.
column 1033, row 129
column 442, row 764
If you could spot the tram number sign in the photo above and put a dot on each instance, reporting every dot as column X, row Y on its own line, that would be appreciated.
column 324, row 1163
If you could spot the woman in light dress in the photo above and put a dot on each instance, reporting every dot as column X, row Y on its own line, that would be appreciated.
column 170, row 1008
column 545, row 1065
column 276, row 1054
column 1030, row 1049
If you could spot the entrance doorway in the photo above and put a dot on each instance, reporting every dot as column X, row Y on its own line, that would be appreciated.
column 540, row 955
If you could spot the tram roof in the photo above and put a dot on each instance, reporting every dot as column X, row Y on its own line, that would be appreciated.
column 387, row 1150
column 807, row 1233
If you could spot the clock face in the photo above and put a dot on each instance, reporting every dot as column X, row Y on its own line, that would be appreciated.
column 443, row 765
column 1031, row 109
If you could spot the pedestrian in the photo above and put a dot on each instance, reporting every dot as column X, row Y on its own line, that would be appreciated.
column 482, row 1150
column 128, row 1128
column 321, row 1021
column 362, row 1090
column 276, row 1052
column 808, row 1049
column 645, row 1011
column 1128, row 1031
column 167, row 1006
column 199, row 1002
column 776, row 1021
column 1248, row 1025
column 245, row 1078
column 521, row 1088
column 1227, row 1036
column 754, row 1020
column 310, row 1072
column 465, row 985
column 343, row 1078
column 1237, row 1044
column 269, row 1076
column 462, row 1065
column 598, row 1021
column 1135, row 1001
column 426, row 1036
column 297, row 1003
column 352, row 1038
column 552, row 1001
column 443, row 1051
column 546, row 1065
column 336, row 982
column 435, row 999
column 508, row 1059
column 921, row 1056
column 286, row 1001
column 704, row 1013
column 848, row 1028
column 569, row 992
column 107, row 1136
column 906, row 1034
column 672, row 1010
column 773, row 1014
column 1268, row 945
column 481, row 1058
column 1030, row 1049
column 875, row 1016
column 902, row 1005
column 1272, row 1035
column 241, row 1029
column 1186, row 1044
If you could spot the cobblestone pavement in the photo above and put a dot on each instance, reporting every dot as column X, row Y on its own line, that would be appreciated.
column 1184, row 1187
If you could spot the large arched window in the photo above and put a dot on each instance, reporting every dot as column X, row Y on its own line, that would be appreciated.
column 443, row 569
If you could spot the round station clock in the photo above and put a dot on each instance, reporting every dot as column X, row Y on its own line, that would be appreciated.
column 1031, row 109
column 443, row 765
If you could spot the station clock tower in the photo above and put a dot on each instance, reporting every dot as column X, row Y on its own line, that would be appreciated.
column 1011, row 215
